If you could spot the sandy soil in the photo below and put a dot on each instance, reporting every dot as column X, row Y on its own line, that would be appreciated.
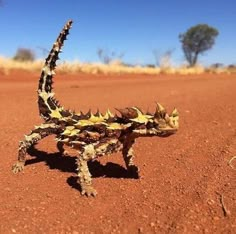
column 186, row 184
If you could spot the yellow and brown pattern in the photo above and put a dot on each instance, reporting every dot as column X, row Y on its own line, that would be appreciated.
column 91, row 135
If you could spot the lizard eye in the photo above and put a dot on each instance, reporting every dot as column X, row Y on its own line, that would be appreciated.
column 151, row 125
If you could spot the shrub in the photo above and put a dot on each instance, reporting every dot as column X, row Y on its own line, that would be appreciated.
column 24, row 54
column 107, row 57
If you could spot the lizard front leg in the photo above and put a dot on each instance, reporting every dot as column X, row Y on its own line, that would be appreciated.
column 37, row 134
column 84, row 176
column 128, row 155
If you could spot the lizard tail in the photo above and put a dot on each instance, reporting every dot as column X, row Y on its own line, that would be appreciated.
column 49, row 107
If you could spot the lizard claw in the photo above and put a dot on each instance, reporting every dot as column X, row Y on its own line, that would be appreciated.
column 88, row 190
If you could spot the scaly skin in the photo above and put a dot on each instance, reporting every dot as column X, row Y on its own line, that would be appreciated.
column 91, row 135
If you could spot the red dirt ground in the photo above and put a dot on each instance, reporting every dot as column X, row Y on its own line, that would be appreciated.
column 186, row 184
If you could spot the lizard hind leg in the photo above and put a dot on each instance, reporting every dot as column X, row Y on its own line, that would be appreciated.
column 24, row 145
column 37, row 134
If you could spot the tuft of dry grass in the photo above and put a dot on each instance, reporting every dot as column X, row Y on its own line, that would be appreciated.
column 115, row 67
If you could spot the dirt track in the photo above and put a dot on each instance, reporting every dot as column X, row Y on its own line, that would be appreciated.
column 186, row 184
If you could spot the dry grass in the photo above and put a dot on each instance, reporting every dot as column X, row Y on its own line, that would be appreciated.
column 6, row 65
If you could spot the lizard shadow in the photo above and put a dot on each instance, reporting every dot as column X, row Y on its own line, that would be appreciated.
column 68, row 164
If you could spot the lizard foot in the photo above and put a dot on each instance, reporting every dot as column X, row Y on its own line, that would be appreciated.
column 88, row 190
column 18, row 167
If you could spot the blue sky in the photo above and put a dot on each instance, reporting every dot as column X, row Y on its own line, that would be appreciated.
column 133, row 27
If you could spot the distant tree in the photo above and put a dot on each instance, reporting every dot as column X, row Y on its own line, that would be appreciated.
column 107, row 57
column 197, row 40
column 24, row 54
column 232, row 66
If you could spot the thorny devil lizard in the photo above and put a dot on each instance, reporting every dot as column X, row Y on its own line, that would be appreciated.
column 91, row 135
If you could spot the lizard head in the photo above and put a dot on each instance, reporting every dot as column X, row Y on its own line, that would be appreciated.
column 165, row 124
column 158, row 124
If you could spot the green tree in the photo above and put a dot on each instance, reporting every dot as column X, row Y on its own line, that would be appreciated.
column 196, row 40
